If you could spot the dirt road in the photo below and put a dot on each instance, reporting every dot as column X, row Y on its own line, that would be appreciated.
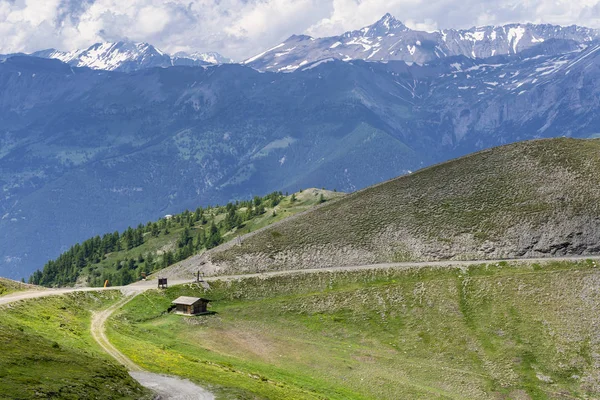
column 165, row 387
column 126, row 290
column 402, row 265
column 98, row 329
column 142, row 286
column 171, row 388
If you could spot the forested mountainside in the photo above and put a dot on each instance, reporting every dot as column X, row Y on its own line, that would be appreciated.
column 123, row 258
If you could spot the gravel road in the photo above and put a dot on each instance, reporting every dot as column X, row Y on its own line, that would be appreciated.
column 171, row 388
column 402, row 265
column 165, row 387
column 142, row 286
column 98, row 329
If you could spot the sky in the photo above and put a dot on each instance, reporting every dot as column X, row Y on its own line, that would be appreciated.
column 242, row 28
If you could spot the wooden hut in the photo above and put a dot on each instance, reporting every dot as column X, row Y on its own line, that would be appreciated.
column 190, row 305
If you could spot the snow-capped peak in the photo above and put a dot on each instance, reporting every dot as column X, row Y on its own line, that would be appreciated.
column 389, row 39
column 386, row 25
column 129, row 56
column 210, row 57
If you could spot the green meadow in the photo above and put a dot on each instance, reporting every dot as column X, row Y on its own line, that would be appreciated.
column 503, row 331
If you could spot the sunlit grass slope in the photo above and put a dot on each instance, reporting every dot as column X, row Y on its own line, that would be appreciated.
column 8, row 286
column 47, row 352
column 503, row 331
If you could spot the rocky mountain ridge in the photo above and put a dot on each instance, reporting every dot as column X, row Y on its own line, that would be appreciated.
column 389, row 39
column 129, row 56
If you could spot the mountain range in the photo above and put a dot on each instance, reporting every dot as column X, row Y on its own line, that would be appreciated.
column 87, row 151
column 389, row 39
column 127, row 56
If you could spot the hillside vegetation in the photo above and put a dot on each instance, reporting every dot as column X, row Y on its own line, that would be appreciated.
column 8, row 286
column 530, row 199
column 48, row 351
column 503, row 331
column 122, row 258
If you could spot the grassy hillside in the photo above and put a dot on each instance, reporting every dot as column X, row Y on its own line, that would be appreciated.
column 502, row 331
column 122, row 258
column 48, row 352
column 538, row 198
column 8, row 286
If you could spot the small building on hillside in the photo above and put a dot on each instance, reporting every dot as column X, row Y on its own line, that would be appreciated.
column 190, row 305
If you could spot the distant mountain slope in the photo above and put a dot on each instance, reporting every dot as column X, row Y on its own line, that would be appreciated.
column 211, row 57
column 135, row 253
column 530, row 199
column 389, row 39
column 84, row 152
column 129, row 56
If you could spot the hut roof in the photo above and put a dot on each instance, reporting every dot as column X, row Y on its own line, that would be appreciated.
column 188, row 301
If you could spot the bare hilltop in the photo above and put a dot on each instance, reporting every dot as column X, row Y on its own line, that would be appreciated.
column 530, row 199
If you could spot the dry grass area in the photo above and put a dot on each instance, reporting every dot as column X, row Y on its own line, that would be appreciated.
column 505, row 331
column 530, row 199
column 8, row 286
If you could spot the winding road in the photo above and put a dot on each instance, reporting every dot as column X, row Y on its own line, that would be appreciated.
column 142, row 286
column 172, row 388
column 99, row 333
column 165, row 387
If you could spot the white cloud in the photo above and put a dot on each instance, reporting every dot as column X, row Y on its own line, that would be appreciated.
column 241, row 28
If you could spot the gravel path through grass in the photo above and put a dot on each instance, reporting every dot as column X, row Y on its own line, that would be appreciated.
column 402, row 265
column 98, row 329
column 142, row 286
column 166, row 387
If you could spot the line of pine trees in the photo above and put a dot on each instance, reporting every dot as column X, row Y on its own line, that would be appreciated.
column 199, row 232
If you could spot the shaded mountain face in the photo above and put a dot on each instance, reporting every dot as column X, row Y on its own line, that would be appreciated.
column 389, row 39
column 128, row 56
column 84, row 152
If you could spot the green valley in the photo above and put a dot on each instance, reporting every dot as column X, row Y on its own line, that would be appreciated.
column 505, row 331
column 392, row 292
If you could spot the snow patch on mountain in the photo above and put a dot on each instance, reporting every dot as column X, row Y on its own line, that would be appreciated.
column 210, row 57
column 514, row 37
